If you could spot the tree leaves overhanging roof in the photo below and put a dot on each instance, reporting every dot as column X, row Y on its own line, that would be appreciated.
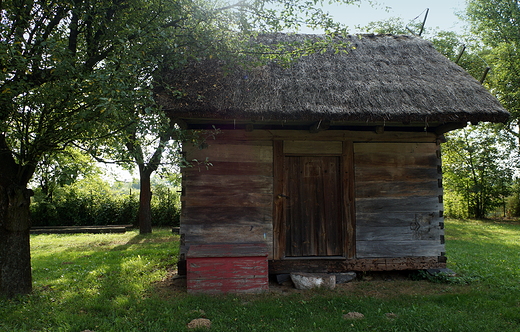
column 379, row 78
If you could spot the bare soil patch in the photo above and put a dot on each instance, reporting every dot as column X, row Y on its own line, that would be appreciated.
column 378, row 285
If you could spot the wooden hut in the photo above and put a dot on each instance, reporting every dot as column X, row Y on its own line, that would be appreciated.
column 331, row 164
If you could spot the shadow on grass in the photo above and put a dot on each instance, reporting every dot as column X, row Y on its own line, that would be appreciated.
column 104, row 275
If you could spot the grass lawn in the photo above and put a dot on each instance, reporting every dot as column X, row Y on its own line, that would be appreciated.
column 121, row 282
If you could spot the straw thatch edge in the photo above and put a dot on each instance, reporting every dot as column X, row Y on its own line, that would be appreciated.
column 380, row 78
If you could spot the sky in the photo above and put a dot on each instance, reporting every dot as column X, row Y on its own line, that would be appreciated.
column 441, row 13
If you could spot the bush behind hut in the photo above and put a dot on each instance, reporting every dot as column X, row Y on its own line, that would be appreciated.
column 95, row 202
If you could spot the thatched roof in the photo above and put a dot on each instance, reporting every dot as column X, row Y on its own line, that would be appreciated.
column 382, row 78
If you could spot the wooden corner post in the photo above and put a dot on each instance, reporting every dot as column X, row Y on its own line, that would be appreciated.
column 278, row 201
column 348, row 198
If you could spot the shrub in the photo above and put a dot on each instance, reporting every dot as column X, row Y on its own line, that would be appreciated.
column 165, row 207
column 513, row 202
column 92, row 202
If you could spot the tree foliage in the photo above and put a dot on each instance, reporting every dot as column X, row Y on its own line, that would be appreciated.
column 478, row 170
column 393, row 25
column 59, row 169
column 497, row 23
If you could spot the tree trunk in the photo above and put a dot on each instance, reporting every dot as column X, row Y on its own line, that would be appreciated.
column 145, row 173
column 145, row 199
column 15, row 254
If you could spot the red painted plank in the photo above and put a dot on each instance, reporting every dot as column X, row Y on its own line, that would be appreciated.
column 228, row 250
column 219, row 267
column 228, row 268
column 228, row 286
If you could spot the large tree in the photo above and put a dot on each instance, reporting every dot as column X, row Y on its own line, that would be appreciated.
column 144, row 142
column 61, row 70
column 497, row 25
column 76, row 71
column 478, row 170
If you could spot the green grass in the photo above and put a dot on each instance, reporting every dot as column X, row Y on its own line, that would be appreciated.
column 118, row 282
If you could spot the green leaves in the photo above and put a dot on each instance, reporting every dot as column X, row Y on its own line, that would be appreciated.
column 73, row 70
column 478, row 168
column 496, row 23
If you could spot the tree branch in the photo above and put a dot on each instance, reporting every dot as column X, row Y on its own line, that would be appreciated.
column 235, row 5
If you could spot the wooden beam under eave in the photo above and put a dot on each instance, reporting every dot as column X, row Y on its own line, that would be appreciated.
column 363, row 264
column 319, row 126
column 440, row 130
column 181, row 123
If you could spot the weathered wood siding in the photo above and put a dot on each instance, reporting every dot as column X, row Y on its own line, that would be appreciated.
column 231, row 201
column 398, row 200
column 394, row 221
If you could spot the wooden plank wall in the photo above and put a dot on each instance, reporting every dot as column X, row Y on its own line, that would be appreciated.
column 398, row 194
column 398, row 200
column 231, row 201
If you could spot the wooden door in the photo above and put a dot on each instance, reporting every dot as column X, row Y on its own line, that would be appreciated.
column 314, row 215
